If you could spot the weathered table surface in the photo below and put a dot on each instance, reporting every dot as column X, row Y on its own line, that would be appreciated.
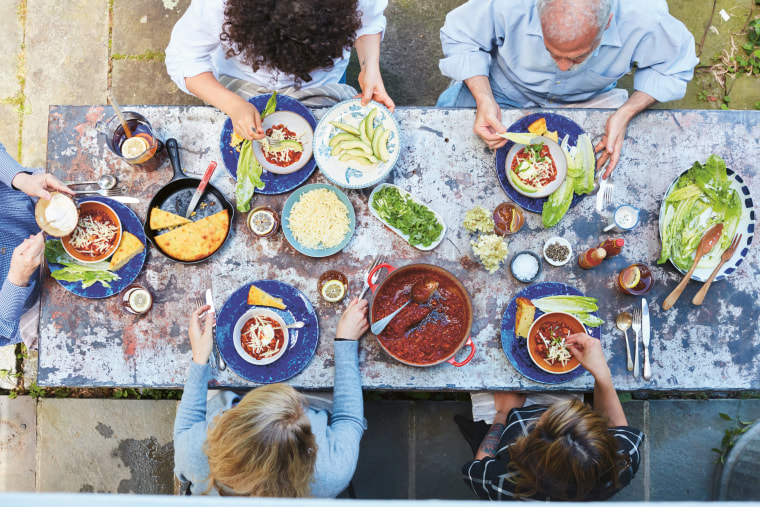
column 713, row 347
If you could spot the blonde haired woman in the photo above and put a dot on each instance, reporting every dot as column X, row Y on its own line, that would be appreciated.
column 566, row 451
column 270, row 442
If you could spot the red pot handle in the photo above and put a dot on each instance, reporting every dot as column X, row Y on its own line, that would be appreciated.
column 374, row 270
column 453, row 360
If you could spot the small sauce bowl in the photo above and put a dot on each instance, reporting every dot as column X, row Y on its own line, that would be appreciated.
column 556, row 240
column 521, row 262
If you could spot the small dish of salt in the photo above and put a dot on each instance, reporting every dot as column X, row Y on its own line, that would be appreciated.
column 526, row 266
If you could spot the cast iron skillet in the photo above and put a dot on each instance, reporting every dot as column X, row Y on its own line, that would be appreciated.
column 175, row 196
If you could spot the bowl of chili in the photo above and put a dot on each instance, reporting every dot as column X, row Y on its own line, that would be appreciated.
column 546, row 342
column 260, row 336
column 427, row 333
column 536, row 169
column 97, row 234
column 286, row 159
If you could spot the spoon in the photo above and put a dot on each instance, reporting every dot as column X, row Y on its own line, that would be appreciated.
column 705, row 245
column 623, row 323
column 295, row 325
column 106, row 182
column 421, row 291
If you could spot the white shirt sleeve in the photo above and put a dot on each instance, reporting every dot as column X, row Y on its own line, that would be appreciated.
column 194, row 39
column 373, row 19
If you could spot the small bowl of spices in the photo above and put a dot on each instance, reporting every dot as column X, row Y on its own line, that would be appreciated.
column 526, row 266
column 557, row 251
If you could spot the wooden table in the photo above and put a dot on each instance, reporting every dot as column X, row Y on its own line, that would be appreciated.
column 713, row 347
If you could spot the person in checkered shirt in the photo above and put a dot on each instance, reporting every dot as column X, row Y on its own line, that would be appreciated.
column 566, row 451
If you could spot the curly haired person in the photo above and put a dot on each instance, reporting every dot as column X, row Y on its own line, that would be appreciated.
column 270, row 442
column 566, row 451
column 227, row 51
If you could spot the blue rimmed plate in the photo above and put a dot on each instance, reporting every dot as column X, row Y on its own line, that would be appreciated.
column 317, row 252
column 746, row 228
column 564, row 126
column 128, row 272
column 273, row 183
column 515, row 348
column 302, row 342
column 352, row 174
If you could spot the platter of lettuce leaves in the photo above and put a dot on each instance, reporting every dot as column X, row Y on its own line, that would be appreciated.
column 700, row 197
column 242, row 165
column 581, row 165
column 94, row 280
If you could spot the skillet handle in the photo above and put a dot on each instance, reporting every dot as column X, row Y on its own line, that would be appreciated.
column 373, row 286
column 172, row 148
column 471, row 344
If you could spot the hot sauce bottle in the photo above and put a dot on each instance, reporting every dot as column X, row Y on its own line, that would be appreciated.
column 591, row 257
column 612, row 246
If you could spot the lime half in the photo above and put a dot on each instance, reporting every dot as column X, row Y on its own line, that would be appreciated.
column 333, row 291
column 140, row 300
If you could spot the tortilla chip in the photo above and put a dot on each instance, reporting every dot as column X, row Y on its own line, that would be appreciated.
column 128, row 248
column 258, row 297
column 160, row 219
column 197, row 240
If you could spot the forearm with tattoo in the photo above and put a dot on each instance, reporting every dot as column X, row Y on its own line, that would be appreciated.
column 490, row 443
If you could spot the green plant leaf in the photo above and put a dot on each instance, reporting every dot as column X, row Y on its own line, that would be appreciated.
column 725, row 416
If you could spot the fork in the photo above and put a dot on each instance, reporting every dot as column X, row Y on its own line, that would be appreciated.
column 723, row 259
column 636, row 326
column 200, row 303
column 608, row 189
column 377, row 260
column 106, row 193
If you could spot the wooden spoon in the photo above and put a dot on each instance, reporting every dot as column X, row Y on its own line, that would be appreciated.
column 723, row 259
column 705, row 245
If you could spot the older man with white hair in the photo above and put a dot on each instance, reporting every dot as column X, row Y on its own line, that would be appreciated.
column 564, row 53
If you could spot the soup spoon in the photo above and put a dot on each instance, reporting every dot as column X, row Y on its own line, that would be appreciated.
column 106, row 182
column 623, row 323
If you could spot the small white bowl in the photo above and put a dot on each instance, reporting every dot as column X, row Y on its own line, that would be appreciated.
column 295, row 123
column 560, row 161
column 562, row 242
column 239, row 327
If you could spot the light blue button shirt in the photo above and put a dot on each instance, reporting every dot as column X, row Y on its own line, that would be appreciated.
column 16, row 224
column 503, row 39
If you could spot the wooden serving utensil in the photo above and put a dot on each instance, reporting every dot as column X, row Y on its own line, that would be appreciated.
column 705, row 245
column 723, row 259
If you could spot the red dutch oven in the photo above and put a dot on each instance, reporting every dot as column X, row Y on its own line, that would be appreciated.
column 398, row 276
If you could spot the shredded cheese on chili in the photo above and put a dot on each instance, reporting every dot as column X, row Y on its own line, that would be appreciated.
column 259, row 337
column 556, row 350
column 93, row 237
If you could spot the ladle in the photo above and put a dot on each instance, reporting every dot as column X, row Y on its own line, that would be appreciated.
column 421, row 291
column 623, row 323
column 705, row 245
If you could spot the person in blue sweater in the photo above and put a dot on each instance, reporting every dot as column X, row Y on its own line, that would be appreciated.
column 270, row 442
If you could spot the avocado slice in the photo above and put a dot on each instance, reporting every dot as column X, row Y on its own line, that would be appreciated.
column 517, row 182
column 285, row 144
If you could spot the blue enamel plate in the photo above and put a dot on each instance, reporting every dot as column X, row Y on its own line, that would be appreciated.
column 351, row 174
column 273, row 183
column 302, row 343
column 128, row 272
column 515, row 348
column 317, row 252
column 564, row 126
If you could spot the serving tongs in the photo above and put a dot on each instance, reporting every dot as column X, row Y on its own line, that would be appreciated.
column 705, row 245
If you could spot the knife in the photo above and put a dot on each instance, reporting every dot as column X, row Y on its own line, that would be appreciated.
column 600, row 193
column 217, row 356
column 645, row 337
column 125, row 199
column 201, row 188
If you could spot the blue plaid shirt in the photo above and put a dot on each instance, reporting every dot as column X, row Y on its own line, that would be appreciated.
column 16, row 224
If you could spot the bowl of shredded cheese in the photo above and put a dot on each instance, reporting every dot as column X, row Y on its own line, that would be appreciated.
column 318, row 220
column 97, row 234
column 547, row 342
